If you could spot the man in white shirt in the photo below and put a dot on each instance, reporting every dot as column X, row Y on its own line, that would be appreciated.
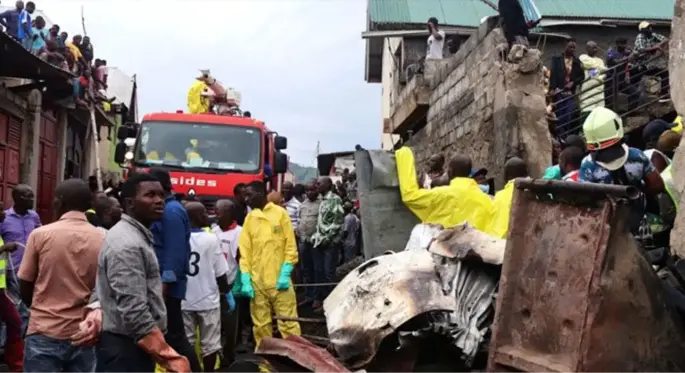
column 207, row 282
column 436, row 40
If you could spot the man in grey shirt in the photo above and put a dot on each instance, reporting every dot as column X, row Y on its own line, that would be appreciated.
column 129, row 289
column 308, row 215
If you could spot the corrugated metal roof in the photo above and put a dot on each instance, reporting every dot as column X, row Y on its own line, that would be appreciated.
column 621, row 9
column 121, row 86
column 448, row 12
column 470, row 12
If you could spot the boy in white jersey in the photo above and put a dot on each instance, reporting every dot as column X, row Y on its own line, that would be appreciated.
column 207, row 282
column 228, row 231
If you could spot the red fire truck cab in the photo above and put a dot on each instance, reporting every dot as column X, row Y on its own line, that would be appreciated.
column 207, row 155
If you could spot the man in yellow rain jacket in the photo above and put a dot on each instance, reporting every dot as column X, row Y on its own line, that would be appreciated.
column 267, row 256
column 461, row 201
column 513, row 168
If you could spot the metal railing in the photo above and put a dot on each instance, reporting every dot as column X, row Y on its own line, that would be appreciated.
column 626, row 79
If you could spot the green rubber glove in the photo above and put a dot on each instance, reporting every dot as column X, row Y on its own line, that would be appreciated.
column 247, row 290
column 237, row 285
column 283, row 282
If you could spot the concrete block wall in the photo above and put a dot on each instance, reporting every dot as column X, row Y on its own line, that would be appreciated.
column 485, row 107
column 461, row 103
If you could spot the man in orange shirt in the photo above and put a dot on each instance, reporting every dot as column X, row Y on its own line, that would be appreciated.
column 58, row 272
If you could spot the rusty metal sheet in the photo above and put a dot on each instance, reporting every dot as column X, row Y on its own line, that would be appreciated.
column 302, row 352
column 376, row 298
column 576, row 293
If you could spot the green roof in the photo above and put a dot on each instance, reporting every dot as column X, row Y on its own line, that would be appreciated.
column 620, row 9
column 470, row 12
column 448, row 12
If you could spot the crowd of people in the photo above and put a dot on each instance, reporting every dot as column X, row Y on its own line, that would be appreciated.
column 455, row 193
column 325, row 217
column 53, row 45
column 154, row 275
column 578, row 84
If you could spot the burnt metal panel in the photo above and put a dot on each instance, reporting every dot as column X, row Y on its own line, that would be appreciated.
column 302, row 352
column 576, row 294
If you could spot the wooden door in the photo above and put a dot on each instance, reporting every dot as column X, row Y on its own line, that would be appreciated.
column 10, row 143
column 47, row 167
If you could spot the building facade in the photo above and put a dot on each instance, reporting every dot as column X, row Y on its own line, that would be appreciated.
column 396, row 39
column 44, row 137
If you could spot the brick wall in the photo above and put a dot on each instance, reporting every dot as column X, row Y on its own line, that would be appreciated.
column 484, row 107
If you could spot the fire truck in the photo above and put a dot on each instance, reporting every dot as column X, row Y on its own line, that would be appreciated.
column 208, row 150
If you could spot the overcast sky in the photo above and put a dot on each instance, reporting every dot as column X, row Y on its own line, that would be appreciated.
column 299, row 64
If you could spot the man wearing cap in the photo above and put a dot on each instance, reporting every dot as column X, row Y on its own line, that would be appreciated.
column 613, row 162
column 652, row 47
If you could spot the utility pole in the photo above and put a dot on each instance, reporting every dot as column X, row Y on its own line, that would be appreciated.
column 93, row 125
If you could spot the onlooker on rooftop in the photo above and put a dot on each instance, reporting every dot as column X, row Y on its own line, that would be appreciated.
column 52, row 55
column 86, row 49
column 63, row 37
column 38, row 35
column 74, row 47
column 24, row 26
column 514, row 22
column 10, row 20
column 436, row 40
column 53, row 34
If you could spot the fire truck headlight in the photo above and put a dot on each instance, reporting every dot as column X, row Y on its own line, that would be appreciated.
column 130, row 141
column 128, row 156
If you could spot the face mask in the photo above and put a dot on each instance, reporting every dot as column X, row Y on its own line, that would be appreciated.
column 484, row 188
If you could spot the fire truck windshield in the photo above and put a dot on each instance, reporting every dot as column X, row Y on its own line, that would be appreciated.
column 199, row 145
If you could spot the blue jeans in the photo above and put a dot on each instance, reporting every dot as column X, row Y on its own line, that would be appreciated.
column 307, row 269
column 325, row 261
column 45, row 354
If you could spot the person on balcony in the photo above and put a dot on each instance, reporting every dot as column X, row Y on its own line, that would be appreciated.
column 592, row 88
column 565, row 76
column 654, row 58
column 622, row 73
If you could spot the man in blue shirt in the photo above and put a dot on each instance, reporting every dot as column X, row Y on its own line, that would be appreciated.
column 24, row 33
column 172, row 245
column 10, row 19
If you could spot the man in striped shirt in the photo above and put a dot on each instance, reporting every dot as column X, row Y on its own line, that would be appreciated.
column 293, row 201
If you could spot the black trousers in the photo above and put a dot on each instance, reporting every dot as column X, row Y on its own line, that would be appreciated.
column 229, row 333
column 176, row 336
column 119, row 353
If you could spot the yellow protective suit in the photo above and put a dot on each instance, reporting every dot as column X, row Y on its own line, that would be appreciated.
column 266, row 242
column 502, row 209
column 461, row 201
column 679, row 125
column 196, row 103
